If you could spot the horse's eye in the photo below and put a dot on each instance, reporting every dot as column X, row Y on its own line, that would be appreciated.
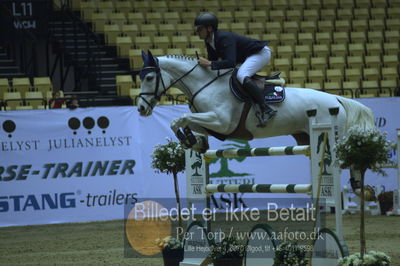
column 149, row 78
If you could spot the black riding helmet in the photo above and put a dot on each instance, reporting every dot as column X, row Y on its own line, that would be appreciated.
column 206, row 19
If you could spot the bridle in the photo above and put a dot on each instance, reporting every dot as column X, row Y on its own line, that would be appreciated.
column 155, row 94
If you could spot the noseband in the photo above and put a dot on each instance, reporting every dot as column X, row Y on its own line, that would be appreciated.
column 155, row 93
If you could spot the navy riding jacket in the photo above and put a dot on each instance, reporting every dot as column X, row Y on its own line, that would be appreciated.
column 231, row 48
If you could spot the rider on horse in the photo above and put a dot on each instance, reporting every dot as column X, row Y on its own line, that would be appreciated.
column 233, row 48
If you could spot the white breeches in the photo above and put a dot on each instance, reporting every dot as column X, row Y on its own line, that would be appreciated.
column 254, row 63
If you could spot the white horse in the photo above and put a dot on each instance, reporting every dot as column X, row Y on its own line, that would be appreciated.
column 215, row 108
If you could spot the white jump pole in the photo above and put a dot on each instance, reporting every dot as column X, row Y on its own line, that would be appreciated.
column 396, row 192
column 330, row 186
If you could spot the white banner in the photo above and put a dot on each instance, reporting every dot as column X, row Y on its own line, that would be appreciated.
column 81, row 165
column 386, row 112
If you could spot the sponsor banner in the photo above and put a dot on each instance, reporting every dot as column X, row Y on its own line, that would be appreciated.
column 84, row 165
column 387, row 120
column 81, row 165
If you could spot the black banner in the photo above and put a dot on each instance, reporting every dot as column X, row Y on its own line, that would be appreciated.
column 27, row 15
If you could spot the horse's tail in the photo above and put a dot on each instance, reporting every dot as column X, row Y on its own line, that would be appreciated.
column 357, row 114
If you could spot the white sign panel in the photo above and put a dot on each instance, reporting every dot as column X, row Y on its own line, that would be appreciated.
column 81, row 165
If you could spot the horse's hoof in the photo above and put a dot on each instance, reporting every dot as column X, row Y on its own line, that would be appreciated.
column 189, row 136
column 201, row 145
column 204, row 143
column 183, row 140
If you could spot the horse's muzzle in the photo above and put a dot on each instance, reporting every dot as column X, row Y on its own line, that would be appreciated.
column 143, row 111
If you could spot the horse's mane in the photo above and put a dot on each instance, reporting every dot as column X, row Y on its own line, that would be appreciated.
column 181, row 57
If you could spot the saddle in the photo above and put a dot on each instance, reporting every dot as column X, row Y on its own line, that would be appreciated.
column 272, row 87
column 274, row 92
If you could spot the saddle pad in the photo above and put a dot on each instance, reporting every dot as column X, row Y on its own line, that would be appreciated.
column 274, row 93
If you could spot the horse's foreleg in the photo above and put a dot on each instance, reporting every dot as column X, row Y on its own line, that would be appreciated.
column 186, row 137
column 197, row 122
column 182, row 138
column 206, row 120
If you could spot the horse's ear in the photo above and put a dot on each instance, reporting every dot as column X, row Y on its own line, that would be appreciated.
column 144, row 56
column 152, row 60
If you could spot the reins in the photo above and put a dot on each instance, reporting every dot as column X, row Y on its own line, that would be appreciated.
column 191, row 101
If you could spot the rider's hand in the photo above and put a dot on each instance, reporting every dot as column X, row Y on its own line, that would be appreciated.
column 204, row 62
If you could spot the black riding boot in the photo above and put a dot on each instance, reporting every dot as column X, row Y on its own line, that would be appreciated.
column 266, row 112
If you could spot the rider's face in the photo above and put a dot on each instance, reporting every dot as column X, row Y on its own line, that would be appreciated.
column 201, row 32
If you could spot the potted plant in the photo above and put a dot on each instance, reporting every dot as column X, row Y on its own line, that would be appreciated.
column 385, row 201
column 290, row 254
column 172, row 250
column 170, row 158
column 360, row 150
column 372, row 258
column 228, row 252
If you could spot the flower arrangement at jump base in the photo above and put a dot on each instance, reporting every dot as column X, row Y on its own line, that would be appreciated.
column 360, row 150
column 385, row 201
column 169, row 242
column 170, row 158
column 372, row 258
column 227, row 252
column 290, row 254
column 172, row 250
column 363, row 149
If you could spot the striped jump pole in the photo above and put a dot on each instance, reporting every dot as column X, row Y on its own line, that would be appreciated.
column 264, row 188
column 269, row 151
